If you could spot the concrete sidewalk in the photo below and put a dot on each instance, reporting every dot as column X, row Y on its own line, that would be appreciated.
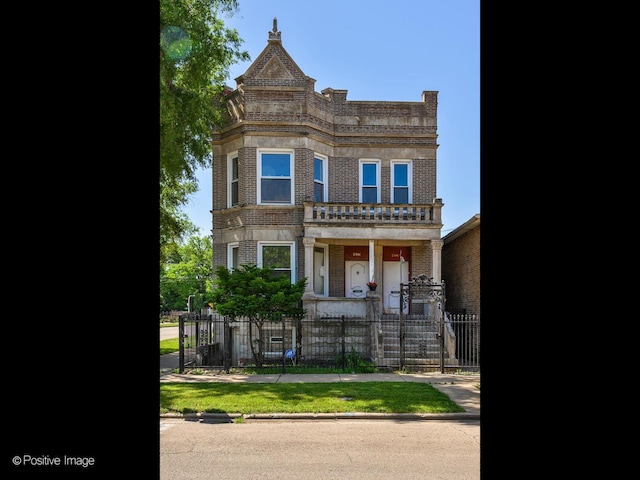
column 463, row 389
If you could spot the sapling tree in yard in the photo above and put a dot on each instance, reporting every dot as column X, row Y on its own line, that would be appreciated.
column 258, row 294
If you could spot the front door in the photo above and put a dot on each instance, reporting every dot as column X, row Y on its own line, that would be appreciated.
column 357, row 276
column 356, row 271
column 395, row 270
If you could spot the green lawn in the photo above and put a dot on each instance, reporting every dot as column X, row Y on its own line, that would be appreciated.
column 339, row 397
column 169, row 346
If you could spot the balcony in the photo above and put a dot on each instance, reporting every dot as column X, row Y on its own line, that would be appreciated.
column 373, row 214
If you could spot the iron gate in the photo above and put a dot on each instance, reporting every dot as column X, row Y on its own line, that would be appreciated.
column 422, row 307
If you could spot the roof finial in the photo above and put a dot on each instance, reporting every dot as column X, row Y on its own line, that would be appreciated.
column 274, row 34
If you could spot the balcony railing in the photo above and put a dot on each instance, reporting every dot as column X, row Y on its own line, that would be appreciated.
column 404, row 213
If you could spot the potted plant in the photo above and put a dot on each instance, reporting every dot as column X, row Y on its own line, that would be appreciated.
column 372, row 285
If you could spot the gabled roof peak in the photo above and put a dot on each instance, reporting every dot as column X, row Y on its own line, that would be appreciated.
column 274, row 34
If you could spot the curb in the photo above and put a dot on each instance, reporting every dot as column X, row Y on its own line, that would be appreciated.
column 324, row 416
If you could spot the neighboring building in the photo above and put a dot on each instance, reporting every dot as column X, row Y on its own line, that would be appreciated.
column 461, row 267
column 340, row 192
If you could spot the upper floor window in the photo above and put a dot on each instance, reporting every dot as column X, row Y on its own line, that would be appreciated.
column 401, row 181
column 319, row 178
column 279, row 256
column 369, row 181
column 275, row 176
column 232, row 169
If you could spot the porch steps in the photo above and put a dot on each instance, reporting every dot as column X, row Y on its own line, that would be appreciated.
column 422, row 345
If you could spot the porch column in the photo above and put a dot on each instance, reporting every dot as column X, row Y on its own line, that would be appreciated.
column 372, row 264
column 308, row 243
column 436, row 259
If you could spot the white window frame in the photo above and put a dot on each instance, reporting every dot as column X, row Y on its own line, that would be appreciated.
column 325, row 175
column 409, row 164
column 230, row 248
column 292, row 250
column 365, row 161
column 259, row 176
column 230, row 158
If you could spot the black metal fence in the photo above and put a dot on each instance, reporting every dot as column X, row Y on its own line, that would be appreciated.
column 466, row 331
column 341, row 343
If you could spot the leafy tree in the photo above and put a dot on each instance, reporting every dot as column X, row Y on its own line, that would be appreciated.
column 175, row 225
column 259, row 295
column 196, row 51
column 188, row 272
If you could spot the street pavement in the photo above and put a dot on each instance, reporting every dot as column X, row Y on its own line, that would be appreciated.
column 353, row 449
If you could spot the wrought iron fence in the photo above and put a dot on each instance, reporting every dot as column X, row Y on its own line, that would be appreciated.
column 339, row 343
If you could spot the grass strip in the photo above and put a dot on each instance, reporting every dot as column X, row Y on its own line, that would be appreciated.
column 337, row 397
column 169, row 346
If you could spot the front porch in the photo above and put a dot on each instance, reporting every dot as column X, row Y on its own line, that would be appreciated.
column 347, row 245
column 368, row 307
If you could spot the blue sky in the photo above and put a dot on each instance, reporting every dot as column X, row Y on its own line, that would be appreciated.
column 381, row 50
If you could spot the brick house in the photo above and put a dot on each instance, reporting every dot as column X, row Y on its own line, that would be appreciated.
column 461, row 267
column 340, row 192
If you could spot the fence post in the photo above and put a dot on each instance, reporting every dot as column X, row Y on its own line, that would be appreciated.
column 284, row 358
column 441, row 319
column 226, row 348
column 198, row 339
column 298, row 339
column 343, row 346
column 402, row 334
column 181, row 344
